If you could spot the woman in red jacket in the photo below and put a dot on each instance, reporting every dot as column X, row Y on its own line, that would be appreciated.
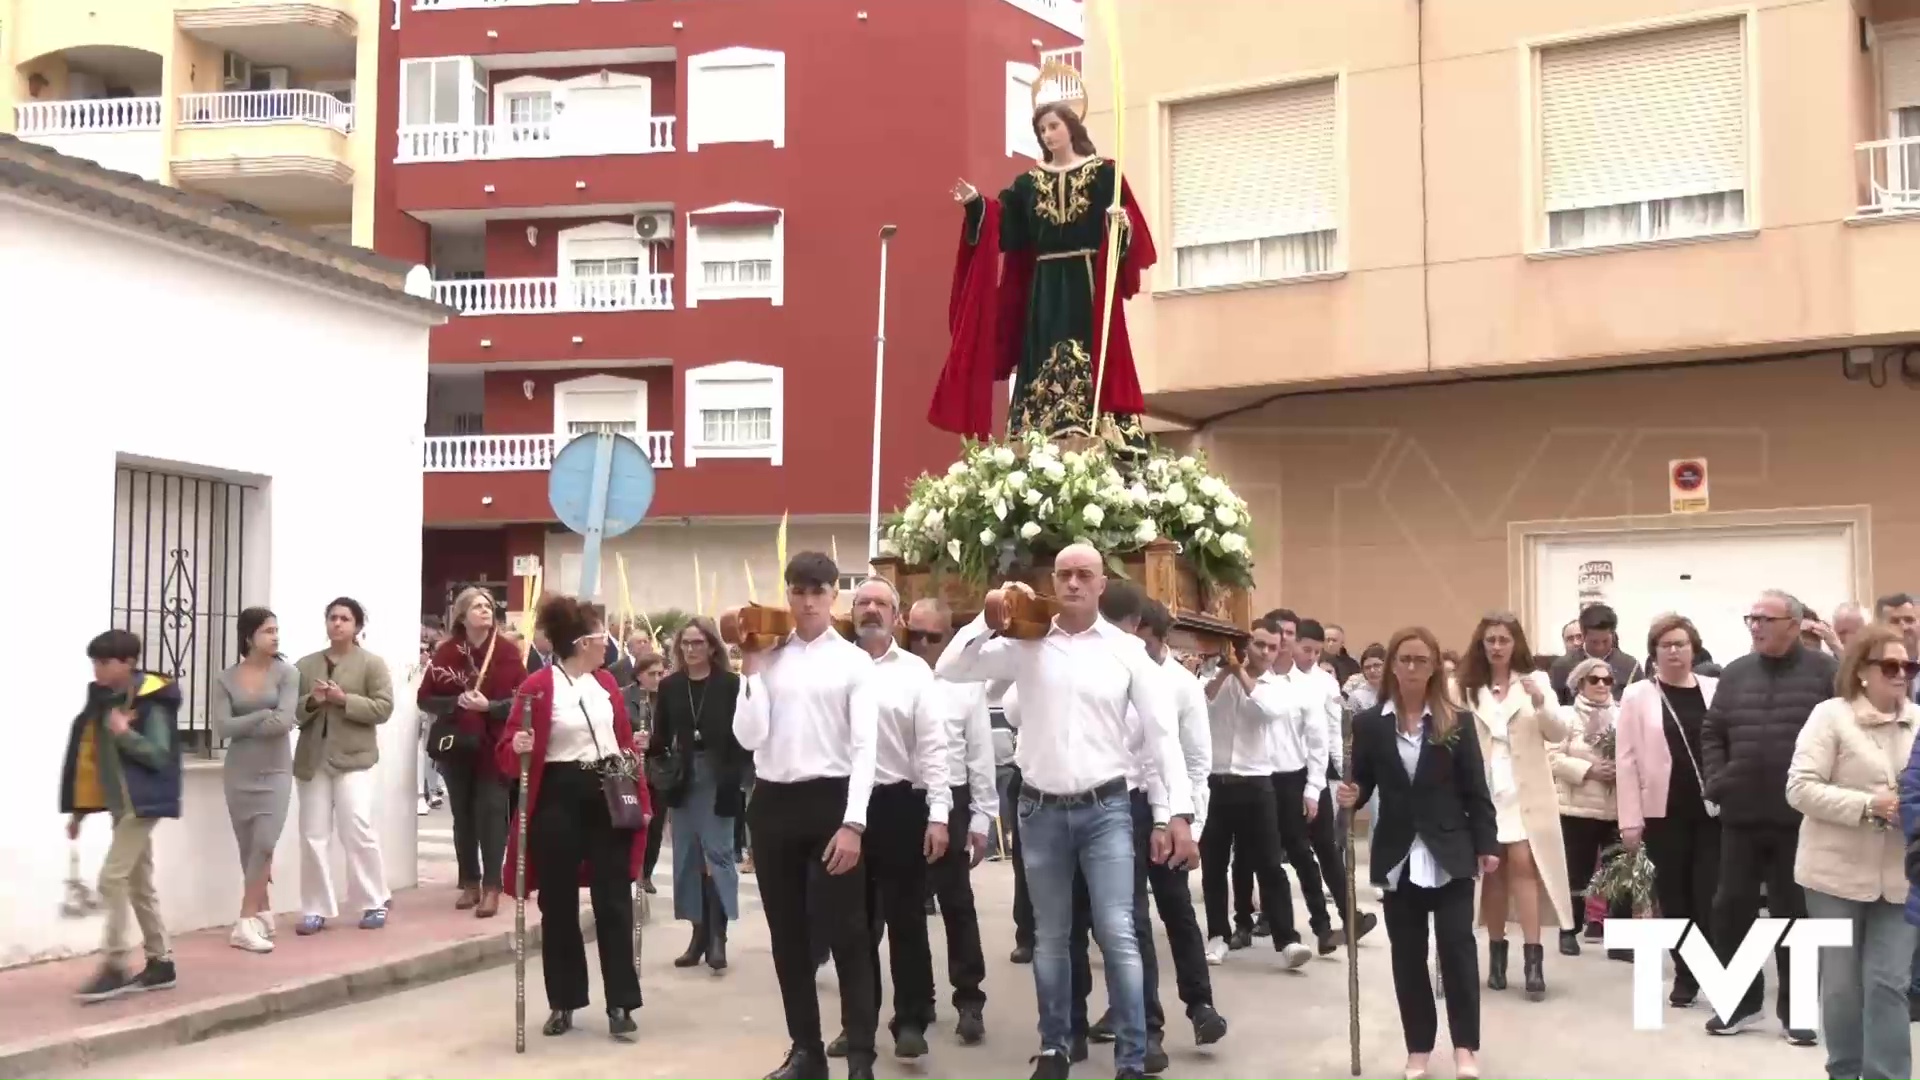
column 579, row 723
column 471, row 677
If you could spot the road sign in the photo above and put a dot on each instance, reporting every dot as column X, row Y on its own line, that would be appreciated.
column 600, row 485
column 1687, row 485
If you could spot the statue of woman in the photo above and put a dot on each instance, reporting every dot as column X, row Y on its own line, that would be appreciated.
column 1036, row 315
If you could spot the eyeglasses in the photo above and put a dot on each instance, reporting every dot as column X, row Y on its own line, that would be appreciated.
column 1898, row 670
column 1762, row 620
column 1599, row 680
column 1675, row 646
column 925, row 637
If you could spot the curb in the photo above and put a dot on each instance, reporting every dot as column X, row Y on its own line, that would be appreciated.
column 82, row 1049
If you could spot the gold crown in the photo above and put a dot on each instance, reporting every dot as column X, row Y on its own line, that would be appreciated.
column 1059, row 83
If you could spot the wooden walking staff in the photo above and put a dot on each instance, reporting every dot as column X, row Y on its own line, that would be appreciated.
column 523, row 703
column 1353, row 921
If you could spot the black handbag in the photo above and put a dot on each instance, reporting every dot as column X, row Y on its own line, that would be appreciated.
column 448, row 742
column 619, row 781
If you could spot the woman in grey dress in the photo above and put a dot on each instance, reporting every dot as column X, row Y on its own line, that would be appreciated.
column 253, row 709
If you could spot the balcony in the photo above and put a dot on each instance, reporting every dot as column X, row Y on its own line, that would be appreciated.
column 540, row 296
column 118, row 133
column 284, row 151
column 249, row 107
column 306, row 35
column 1889, row 177
column 518, row 453
column 550, row 139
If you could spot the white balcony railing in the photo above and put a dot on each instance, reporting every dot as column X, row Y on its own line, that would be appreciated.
column 450, row 5
column 1068, row 15
column 553, row 138
column 1060, row 84
column 519, row 453
column 248, row 107
column 529, row 296
column 1891, row 181
column 92, row 116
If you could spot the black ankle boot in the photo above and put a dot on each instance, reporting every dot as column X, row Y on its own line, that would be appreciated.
column 716, row 929
column 696, row 948
column 1569, row 943
column 559, row 1022
column 1496, row 965
column 802, row 1063
column 620, row 1022
column 1533, row 967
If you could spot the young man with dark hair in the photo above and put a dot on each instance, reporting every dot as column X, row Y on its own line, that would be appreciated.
column 808, row 712
column 1599, row 640
column 123, row 758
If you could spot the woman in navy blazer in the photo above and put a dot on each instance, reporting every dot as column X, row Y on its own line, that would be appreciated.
column 1433, row 835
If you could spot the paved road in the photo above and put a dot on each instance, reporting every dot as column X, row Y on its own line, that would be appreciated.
column 700, row 1025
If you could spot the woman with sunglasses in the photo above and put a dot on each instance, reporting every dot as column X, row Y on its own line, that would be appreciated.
column 1516, row 716
column 693, row 725
column 1851, row 859
column 1659, row 784
column 1434, row 833
column 1584, row 775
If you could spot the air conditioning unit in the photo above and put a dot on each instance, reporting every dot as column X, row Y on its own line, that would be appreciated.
column 237, row 72
column 657, row 226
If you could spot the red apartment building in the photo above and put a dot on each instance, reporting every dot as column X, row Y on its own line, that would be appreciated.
column 662, row 217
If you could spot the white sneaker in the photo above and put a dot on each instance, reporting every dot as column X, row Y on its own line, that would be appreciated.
column 422, row 810
column 1216, row 951
column 246, row 935
column 265, row 923
column 1295, row 955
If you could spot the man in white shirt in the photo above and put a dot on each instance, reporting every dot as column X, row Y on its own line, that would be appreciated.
column 807, row 711
column 1125, row 605
column 1309, row 641
column 1245, row 704
column 961, row 709
column 1083, row 687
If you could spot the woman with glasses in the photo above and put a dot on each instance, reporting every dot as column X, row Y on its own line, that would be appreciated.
column 1516, row 717
column 1659, row 785
column 1584, row 773
column 693, row 725
column 578, row 732
column 1434, row 833
column 1851, row 859
column 643, row 695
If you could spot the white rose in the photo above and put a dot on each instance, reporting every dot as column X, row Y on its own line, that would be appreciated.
column 1000, row 509
column 987, row 538
column 1003, row 457
column 958, row 468
column 1192, row 514
column 1016, row 480
column 1203, row 534
column 1146, row 533
column 935, row 518
column 914, row 513
column 1138, row 493
column 1046, row 508
column 1225, row 516
column 1176, row 494
column 1054, row 470
column 1030, row 530
column 953, row 550
column 1073, row 458
column 1094, row 514
column 1032, row 497
column 1233, row 543
column 1211, row 487
column 1188, row 462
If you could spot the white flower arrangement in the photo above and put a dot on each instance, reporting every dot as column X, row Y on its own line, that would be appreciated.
column 1005, row 502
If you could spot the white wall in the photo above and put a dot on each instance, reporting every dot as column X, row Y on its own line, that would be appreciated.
column 119, row 345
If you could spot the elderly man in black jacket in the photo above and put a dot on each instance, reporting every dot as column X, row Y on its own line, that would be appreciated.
column 1746, row 743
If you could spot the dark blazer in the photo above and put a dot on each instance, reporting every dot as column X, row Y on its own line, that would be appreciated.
column 674, row 723
column 1445, row 804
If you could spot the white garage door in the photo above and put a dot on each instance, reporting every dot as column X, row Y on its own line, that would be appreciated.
column 1709, row 575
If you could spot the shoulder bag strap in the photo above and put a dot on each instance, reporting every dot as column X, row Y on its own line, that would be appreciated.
column 1682, row 729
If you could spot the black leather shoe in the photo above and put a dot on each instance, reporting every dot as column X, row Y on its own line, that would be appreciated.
column 1051, row 1065
column 1329, row 941
column 801, row 1064
column 1262, row 928
column 1241, row 939
column 1368, row 920
column 1079, row 1051
column 559, row 1022
column 1022, row 954
column 1101, row 1031
column 621, row 1022
column 1156, row 1061
column 860, row 1067
column 910, row 1042
column 972, row 1027
column 838, row 1047
column 1209, row 1026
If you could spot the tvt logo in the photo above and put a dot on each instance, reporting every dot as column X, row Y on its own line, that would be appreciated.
column 1725, row 986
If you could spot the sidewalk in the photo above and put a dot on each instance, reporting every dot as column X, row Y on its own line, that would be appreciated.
column 221, row 989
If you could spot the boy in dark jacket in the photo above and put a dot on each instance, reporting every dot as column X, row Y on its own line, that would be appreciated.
column 123, row 757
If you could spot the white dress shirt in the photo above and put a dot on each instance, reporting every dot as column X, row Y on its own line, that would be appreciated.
column 1196, row 738
column 910, row 744
column 1082, row 696
column 1319, row 702
column 961, row 710
column 809, row 713
column 1241, row 723
column 1419, row 867
column 582, row 713
column 1300, row 739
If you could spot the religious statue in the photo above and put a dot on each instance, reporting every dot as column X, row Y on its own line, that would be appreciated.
column 1032, row 310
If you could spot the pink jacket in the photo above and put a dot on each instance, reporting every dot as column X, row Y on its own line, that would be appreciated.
column 1641, row 758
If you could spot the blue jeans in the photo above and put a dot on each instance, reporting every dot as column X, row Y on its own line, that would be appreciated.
column 1095, row 837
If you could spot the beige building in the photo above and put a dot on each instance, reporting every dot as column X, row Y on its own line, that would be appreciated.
column 1469, row 297
column 248, row 100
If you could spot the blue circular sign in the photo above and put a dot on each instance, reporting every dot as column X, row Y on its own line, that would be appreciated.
column 570, row 484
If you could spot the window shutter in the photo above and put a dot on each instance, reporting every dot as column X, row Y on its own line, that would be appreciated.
column 1255, row 165
column 739, row 103
column 1657, row 115
column 737, row 394
column 1900, row 72
column 1020, row 137
column 721, row 244
column 605, row 248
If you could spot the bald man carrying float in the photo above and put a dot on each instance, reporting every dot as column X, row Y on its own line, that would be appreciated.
column 1083, row 688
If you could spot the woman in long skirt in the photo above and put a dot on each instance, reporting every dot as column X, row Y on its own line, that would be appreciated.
column 693, row 724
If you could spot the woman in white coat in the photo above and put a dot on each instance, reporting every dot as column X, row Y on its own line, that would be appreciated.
column 1516, row 716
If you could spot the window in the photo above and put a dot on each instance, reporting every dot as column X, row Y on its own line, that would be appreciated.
column 726, row 272
column 1020, row 137
column 735, row 410
column 1896, row 178
column 605, row 266
column 1256, row 187
column 600, row 403
column 1644, row 137
column 530, row 108
column 430, row 92
column 736, row 95
column 734, row 262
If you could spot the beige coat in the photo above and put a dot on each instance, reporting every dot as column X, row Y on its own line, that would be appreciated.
column 1846, row 754
column 1573, row 758
column 344, row 736
column 1529, row 732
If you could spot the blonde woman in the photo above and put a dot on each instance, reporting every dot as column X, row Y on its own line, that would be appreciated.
column 1516, row 716
column 1851, row 857
column 1583, row 775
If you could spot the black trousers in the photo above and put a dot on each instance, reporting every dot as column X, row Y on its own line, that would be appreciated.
column 791, row 825
column 952, row 882
column 1328, row 850
column 1584, row 839
column 570, row 827
column 1241, row 817
column 1296, row 842
column 656, row 832
column 897, row 897
column 478, row 800
column 1752, row 855
column 1407, row 909
column 1022, row 900
column 1691, row 847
